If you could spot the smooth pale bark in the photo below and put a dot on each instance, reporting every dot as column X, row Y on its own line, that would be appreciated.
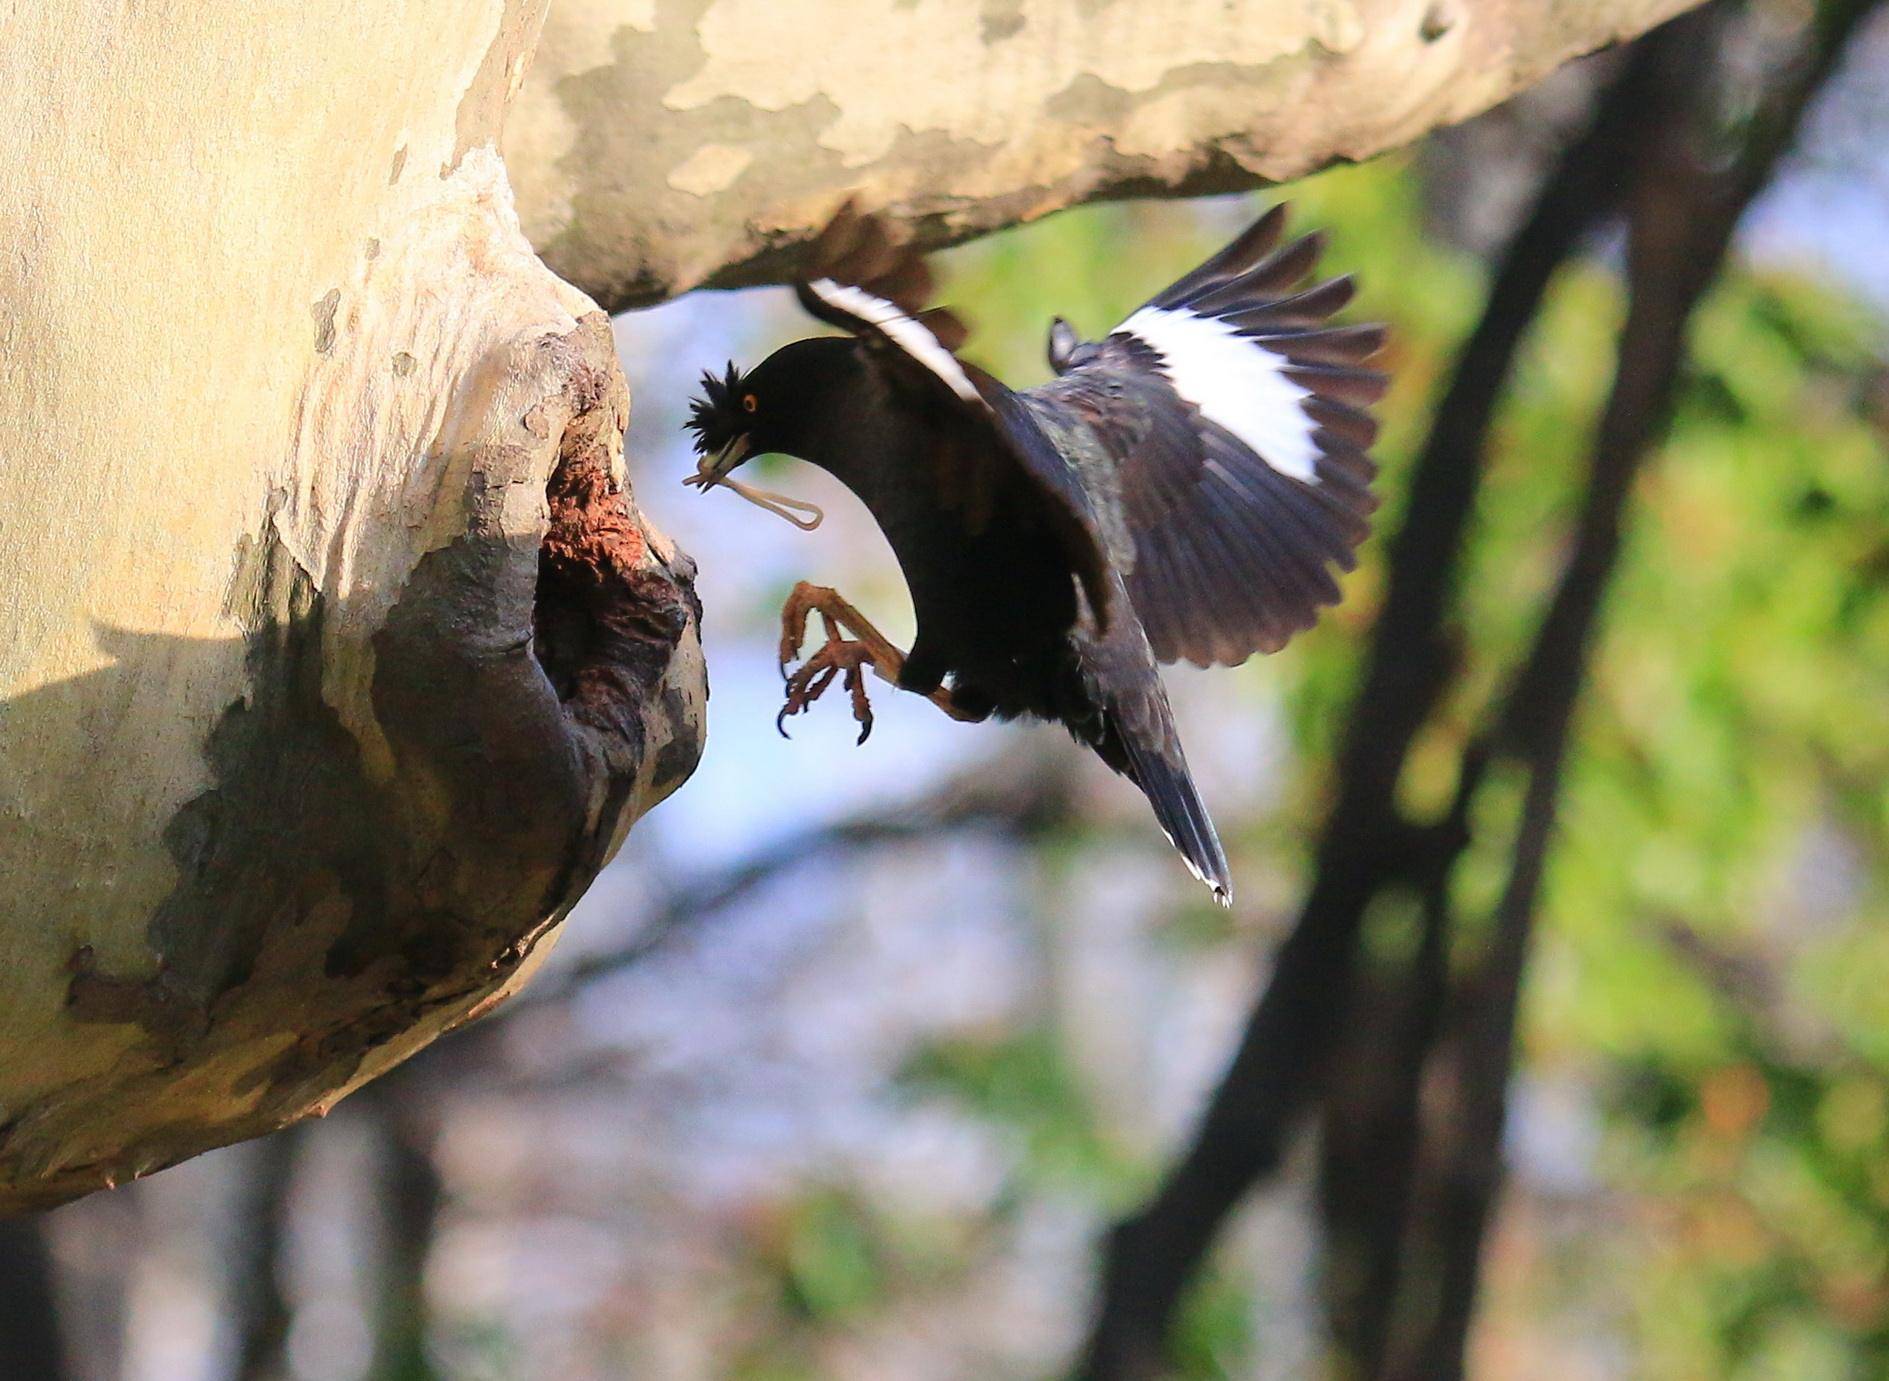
column 288, row 408
column 659, row 147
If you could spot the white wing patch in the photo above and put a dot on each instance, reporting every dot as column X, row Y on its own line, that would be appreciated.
column 1234, row 381
column 908, row 333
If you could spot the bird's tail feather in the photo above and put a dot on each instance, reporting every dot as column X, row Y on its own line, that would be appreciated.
column 1170, row 789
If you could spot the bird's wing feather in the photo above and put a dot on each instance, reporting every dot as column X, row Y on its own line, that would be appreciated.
column 1227, row 426
column 877, row 287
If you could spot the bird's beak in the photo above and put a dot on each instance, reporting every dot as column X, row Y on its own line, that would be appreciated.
column 714, row 469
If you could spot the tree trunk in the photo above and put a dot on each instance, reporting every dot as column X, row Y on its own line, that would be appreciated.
column 293, row 421
column 338, row 656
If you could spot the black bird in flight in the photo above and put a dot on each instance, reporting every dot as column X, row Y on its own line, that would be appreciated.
column 1179, row 489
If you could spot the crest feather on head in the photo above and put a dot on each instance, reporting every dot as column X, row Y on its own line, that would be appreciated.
column 716, row 410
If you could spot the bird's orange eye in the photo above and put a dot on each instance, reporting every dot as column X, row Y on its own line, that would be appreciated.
column 749, row 402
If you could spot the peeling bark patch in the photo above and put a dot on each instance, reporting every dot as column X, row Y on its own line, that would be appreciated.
column 400, row 163
column 158, row 1004
column 681, row 755
column 1001, row 19
column 291, row 816
column 289, row 824
column 481, row 110
column 323, row 310
column 710, row 169
column 604, row 625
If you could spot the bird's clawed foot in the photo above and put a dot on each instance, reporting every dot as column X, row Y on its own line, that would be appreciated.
column 837, row 657
column 848, row 657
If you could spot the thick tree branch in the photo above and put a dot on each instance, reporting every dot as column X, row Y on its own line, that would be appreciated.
column 657, row 148
column 342, row 659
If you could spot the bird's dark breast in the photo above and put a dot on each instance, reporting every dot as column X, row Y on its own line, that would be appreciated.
column 993, row 593
column 997, row 615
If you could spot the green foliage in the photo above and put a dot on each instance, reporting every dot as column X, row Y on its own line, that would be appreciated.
column 830, row 1260
column 1213, row 1333
column 1024, row 1084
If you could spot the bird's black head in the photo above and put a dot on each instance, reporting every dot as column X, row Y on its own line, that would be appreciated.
column 777, row 406
column 723, row 421
column 740, row 416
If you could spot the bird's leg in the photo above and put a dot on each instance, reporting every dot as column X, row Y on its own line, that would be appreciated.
column 840, row 656
column 836, row 657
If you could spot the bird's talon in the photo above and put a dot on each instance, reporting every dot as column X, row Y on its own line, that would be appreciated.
column 835, row 659
column 862, row 706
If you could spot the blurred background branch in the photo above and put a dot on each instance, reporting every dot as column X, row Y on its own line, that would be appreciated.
column 260, row 1307
column 30, row 1343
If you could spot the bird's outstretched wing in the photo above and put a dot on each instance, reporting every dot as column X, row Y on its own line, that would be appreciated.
column 1221, row 431
column 867, row 282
